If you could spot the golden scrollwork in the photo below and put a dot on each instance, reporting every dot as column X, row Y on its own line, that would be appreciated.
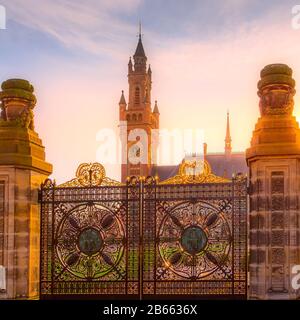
column 90, row 174
column 194, row 171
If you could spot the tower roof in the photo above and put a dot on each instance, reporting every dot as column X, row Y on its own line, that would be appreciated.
column 155, row 110
column 140, row 52
column 122, row 99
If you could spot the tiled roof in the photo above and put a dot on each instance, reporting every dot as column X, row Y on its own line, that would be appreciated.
column 227, row 166
column 140, row 52
column 220, row 165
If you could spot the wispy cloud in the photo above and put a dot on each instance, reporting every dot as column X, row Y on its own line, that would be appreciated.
column 96, row 28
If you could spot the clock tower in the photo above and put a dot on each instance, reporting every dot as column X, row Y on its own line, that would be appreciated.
column 138, row 120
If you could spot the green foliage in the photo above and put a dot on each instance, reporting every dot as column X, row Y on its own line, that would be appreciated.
column 276, row 79
column 18, row 93
column 17, row 84
column 276, row 68
column 276, row 73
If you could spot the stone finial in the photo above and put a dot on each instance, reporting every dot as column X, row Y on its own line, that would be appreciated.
column 130, row 66
column 276, row 90
column 204, row 150
column 155, row 109
column 228, row 140
column 17, row 102
column 122, row 101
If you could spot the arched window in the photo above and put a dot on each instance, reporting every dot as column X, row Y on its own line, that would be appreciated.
column 137, row 95
column 140, row 117
column 134, row 118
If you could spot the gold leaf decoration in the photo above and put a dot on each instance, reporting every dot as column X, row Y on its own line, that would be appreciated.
column 90, row 175
column 202, row 174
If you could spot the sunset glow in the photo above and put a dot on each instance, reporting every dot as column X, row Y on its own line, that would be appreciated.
column 149, row 156
column 203, row 65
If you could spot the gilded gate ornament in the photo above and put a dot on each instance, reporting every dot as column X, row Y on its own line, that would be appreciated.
column 194, row 171
column 90, row 174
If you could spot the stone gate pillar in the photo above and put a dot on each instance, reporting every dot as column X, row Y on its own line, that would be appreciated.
column 22, row 169
column 274, row 162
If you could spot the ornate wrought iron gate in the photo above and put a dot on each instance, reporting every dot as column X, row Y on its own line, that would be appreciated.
column 143, row 239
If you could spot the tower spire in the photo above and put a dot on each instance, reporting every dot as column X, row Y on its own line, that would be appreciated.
column 122, row 99
column 140, row 52
column 140, row 30
column 139, row 57
column 155, row 109
column 228, row 137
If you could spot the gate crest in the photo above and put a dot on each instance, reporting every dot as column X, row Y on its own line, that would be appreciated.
column 194, row 171
column 90, row 175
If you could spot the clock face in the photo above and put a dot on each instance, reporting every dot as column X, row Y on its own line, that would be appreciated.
column 134, row 153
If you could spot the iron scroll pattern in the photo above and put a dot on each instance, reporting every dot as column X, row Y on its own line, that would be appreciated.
column 87, row 237
column 195, row 239
column 143, row 239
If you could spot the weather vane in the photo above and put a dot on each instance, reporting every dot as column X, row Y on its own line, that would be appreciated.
column 140, row 30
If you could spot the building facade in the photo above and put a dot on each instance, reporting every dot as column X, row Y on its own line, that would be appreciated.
column 183, row 201
column 139, row 125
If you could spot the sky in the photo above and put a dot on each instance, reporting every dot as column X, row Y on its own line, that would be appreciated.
column 205, row 56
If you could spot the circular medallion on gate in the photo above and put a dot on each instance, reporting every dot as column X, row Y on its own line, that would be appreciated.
column 193, row 240
column 90, row 241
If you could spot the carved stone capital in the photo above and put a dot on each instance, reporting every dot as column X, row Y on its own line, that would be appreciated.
column 17, row 103
column 276, row 90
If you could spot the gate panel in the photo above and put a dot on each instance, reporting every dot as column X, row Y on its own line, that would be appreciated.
column 195, row 239
column 90, row 240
